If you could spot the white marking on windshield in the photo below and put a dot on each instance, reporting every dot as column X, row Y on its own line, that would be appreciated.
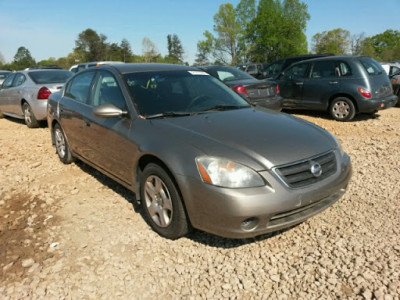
column 198, row 73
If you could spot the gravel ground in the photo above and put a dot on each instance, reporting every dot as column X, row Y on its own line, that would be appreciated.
column 68, row 232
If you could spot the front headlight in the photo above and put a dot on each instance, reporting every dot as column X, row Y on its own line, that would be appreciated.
column 226, row 173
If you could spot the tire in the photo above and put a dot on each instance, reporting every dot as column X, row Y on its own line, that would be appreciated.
column 30, row 119
column 342, row 109
column 62, row 148
column 161, row 202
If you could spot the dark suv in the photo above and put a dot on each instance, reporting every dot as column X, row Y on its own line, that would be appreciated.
column 342, row 85
column 274, row 69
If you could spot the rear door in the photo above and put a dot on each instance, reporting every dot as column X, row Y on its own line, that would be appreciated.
column 322, row 82
column 74, row 109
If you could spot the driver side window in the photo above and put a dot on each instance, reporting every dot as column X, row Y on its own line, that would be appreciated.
column 107, row 91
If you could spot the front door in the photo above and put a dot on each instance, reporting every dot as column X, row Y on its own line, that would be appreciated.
column 109, row 137
column 291, row 85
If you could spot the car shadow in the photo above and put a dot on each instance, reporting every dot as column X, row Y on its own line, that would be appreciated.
column 215, row 241
column 326, row 116
column 127, row 194
column 42, row 124
column 196, row 236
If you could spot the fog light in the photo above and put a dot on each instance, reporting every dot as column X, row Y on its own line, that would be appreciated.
column 249, row 224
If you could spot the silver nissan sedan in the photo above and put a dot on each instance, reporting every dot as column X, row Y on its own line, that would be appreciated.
column 194, row 152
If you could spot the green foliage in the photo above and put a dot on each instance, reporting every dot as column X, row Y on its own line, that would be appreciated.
column 335, row 41
column 278, row 30
column 223, row 47
column 22, row 59
column 90, row 46
column 175, row 50
column 384, row 46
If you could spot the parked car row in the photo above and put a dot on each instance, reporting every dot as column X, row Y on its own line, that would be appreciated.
column 199, row 146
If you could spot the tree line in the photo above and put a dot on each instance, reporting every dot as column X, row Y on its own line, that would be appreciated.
column 275, row 29
column 253, row 31
column 91, row 46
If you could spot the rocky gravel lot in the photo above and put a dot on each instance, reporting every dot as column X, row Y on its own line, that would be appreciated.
column 68, row 232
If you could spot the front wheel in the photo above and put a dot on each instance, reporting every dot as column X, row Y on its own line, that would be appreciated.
column 342, row 109
column 162, row 204
column 62, row 148
column 30, row 119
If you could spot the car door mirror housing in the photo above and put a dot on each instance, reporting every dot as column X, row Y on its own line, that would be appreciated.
column 108, row 111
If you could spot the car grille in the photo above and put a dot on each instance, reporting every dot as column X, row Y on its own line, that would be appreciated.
column 299, row 174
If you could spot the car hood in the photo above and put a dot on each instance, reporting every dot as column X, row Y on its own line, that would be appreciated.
column 258, row 138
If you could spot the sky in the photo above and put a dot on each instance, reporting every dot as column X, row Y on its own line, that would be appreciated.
column 49, row 28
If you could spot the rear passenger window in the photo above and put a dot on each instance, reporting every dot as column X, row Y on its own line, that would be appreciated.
column 323, row 69
column 344, row 69
column 79, row 88
column 19, row 79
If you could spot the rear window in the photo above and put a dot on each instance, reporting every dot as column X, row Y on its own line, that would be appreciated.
column 371, row 66
column 42, row 77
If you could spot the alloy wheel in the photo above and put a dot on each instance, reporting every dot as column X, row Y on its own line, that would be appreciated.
column 158, row 201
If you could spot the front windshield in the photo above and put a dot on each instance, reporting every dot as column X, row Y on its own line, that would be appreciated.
column 173, row 93
column 274, row 68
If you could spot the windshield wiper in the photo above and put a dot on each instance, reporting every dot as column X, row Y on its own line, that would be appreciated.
column 226, row 107
column 169, row 114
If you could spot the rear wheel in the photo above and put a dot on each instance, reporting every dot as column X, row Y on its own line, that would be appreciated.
column 342, row 109
column 162, row 204
column 30, row 119
column 62, row 147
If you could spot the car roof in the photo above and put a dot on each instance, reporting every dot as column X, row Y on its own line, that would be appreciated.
column 146, row 67
column 333, row 57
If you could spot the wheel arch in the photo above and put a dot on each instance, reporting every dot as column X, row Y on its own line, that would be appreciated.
column 142, row 163
column 334, row 96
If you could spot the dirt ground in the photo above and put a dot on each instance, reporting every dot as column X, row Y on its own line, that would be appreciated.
column 68, row 232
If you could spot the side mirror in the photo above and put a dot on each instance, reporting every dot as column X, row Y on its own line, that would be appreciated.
column 108, row 111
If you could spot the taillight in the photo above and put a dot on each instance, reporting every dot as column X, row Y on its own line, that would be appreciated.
column 43, row 93
column 277, row 89
column 240, row 89
column 365, row 92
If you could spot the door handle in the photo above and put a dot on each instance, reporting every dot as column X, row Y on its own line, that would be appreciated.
column 333, row 82
column 299, row 83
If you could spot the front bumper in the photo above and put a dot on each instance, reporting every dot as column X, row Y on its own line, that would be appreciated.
column 371, row 105
column 242, row 213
